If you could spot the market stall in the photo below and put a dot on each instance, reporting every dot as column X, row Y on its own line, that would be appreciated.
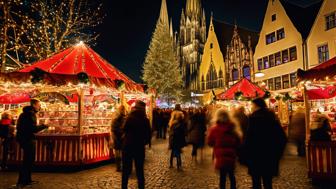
column 79, row 91
column 239, row 93
column 319, row 91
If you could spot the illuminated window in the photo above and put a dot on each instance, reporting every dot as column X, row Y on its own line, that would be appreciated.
column 280, row 33
column 266, row 63
column 270, row 38
column 323, row 53
column 271, row 60
column 277, row 82
column 330, row 20
column 277, row 58
column 285, row 57
column 293, row 79
column 270, row 84
column 285, row 81
column 247, row 72
column 260, row 64
column 292, row 53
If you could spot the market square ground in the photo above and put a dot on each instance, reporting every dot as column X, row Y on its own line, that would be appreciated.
column 158, row 175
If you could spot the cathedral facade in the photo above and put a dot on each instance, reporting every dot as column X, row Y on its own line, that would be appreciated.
column 191, row 40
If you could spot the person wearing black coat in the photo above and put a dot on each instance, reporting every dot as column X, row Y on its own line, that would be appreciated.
column 117, row 133
column 137, row 134
column 25, row 135
column 264, row 144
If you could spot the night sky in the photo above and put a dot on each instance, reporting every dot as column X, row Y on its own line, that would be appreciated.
column 128, row 25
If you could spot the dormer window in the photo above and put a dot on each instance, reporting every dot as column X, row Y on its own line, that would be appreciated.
column 273, row 17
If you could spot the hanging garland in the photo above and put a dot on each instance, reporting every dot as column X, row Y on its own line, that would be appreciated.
column 278, row 97
column 37, row 75
column 287, row 97
column 120, row 84
column 83, row 77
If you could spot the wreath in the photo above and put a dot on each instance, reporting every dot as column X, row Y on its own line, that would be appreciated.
column 287, row 97
column 120, row 84
column 37, row 75
column 83, row 77
column 238, row 95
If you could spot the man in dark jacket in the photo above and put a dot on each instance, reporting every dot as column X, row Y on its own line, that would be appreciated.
column 265, row 143
column 26, row 128
column 137, row 134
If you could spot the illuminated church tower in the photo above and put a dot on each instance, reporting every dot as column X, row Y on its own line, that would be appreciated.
column 192, row 38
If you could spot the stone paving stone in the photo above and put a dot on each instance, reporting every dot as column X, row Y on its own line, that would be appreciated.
column 158, row 175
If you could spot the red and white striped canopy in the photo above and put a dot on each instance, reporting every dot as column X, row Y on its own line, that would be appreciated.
column 81, row 59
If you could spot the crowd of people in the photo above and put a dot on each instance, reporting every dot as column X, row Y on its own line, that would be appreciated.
column 256, row 139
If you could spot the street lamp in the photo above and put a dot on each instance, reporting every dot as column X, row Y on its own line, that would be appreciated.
column 259, row 74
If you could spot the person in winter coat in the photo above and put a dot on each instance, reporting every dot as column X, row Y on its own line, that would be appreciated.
column 265, row 143
column 117, row 133
column 5, row 124
column 137, row 134
column 225, row 141
column 297, row 130
column 320, row 129
column 176, row 137
column 196, row 132
column 25, row 135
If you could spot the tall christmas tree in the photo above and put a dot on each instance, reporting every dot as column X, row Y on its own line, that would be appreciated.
column 161, row 69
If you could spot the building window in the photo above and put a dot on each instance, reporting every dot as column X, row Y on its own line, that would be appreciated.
column 280, row 34
column 212, row 77
column 203, row 85
column 292, row 53
column 211, row 45
column 277, row 58
column 285, row 81
column 271, row 60
column 293, row 79
column 260, row 64
column 266, row 63
column 330, row 21
column 285, row 57
column 270, row 38
column 323, row 53
column 235, row 74
column 220, row 78
column 247, row 72
column 277, row 82
column 273, row 17
column 270, row 84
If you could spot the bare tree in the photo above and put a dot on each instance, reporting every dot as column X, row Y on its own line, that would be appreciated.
column 37, row 29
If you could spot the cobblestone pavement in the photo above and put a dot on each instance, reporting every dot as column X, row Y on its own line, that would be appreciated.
column 195, row 175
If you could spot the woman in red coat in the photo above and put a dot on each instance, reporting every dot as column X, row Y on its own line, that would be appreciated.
column 225, row 141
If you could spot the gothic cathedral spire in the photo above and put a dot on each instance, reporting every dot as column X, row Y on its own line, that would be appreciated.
column 191, row 39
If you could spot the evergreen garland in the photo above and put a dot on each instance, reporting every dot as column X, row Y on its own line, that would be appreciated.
column 267, row 95
column 83, row 77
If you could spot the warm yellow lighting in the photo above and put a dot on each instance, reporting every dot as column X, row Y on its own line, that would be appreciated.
column 259, row 74
column 80, row 43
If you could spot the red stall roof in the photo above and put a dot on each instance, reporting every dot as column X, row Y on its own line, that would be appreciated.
column 245, row 86
column 82, row 59
column 319, row 72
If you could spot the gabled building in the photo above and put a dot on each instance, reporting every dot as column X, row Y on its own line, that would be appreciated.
column 321, row 42
column 281, row 47
column 212, row 70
